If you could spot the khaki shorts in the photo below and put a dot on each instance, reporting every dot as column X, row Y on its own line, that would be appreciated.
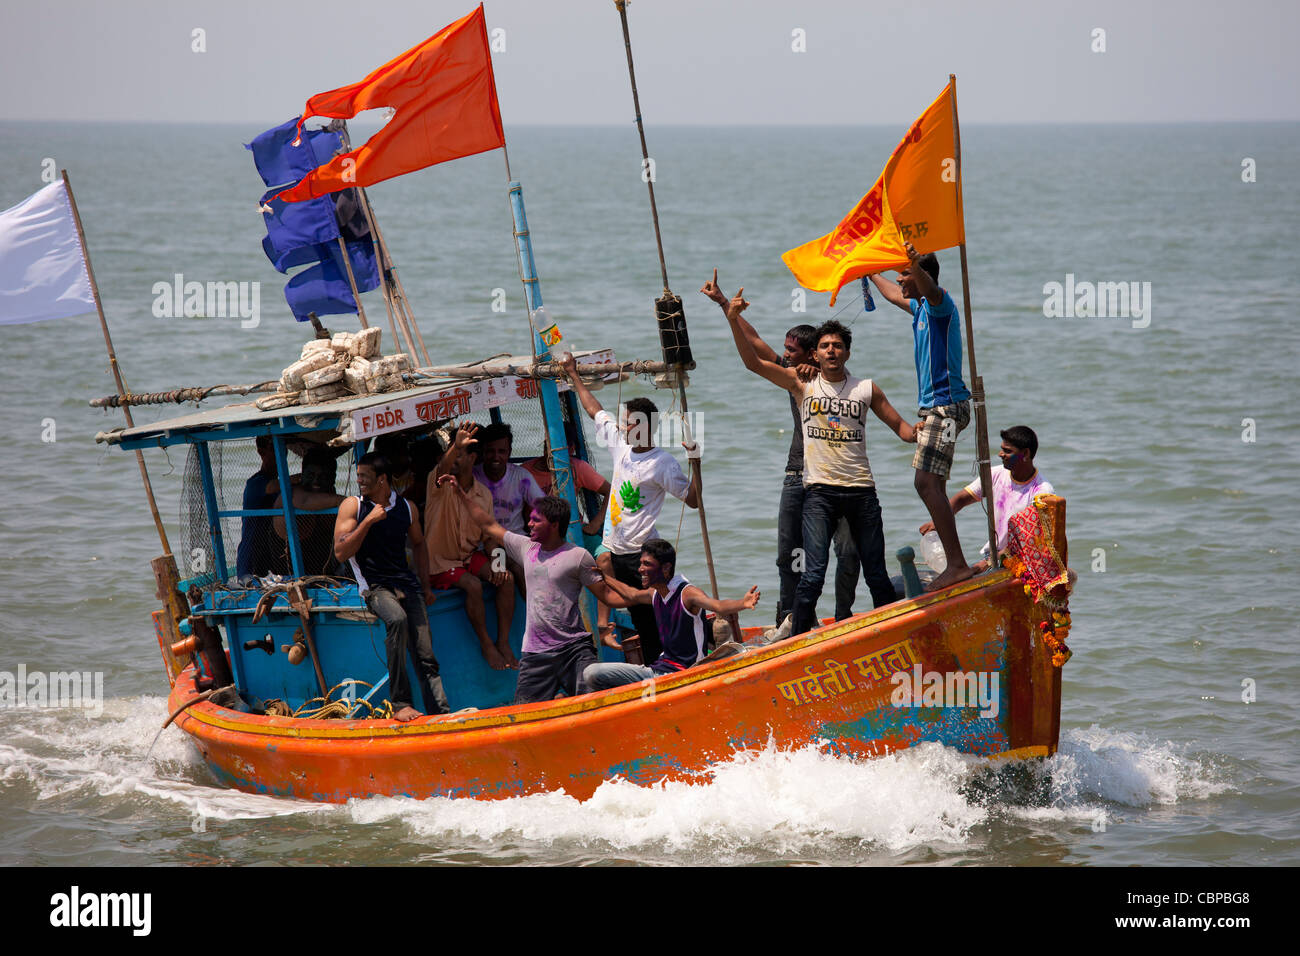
column 933, row 453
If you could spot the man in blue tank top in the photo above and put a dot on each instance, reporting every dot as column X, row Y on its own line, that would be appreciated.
column 371, row 534
column 942, row 396
column 679, row 609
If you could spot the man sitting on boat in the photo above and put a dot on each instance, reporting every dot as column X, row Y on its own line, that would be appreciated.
column 371, row 534
column 943, row 397
column 800, row 349
column 456, row 555
column 643, row 474
column 678, row 607
column 557, row 646
column 837, row 475
column 1015, row 483
column 512, row 488
column 257, row 546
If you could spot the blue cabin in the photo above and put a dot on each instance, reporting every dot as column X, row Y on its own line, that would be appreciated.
column 239, row 551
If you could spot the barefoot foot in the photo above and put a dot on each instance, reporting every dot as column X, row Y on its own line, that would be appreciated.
column 949, row 577
column 407, row 713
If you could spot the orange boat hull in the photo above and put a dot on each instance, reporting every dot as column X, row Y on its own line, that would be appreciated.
column 837, row 686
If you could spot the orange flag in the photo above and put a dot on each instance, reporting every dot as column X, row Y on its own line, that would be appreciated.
column 916, row 199
column 446, row 102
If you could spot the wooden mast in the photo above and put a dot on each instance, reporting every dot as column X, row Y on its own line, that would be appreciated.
column 117, row 372
column 976, row 383
column 667, row 302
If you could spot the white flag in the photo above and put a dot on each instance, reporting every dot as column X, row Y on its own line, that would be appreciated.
column 42, row 266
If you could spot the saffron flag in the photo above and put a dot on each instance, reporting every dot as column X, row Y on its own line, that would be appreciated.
column 917, row 199
column 445, row 99
column 42, row 265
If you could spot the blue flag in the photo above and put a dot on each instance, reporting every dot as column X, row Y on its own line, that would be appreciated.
column 294, row 230
column 323, row 288
column 279, row 161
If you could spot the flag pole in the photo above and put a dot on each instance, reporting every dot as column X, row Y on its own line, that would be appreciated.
column 112, row 362
column 977, row 383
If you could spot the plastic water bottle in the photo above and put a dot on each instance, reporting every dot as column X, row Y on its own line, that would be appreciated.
column 868, row 303
column 932, row 552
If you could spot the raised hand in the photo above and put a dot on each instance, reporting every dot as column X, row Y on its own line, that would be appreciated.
column 750, row 599
column 711, row 289
column 737, row 304
column 465, row 433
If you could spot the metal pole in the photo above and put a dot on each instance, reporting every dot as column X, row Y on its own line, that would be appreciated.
column 977, row 383
column 112, row 362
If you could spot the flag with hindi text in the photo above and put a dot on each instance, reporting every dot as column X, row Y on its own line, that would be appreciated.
column 916, row 199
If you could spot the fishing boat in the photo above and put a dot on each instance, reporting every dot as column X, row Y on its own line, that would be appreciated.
column 278, row 676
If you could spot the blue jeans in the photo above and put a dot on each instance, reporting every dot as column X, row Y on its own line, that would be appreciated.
column 823, row 508
column 604, row 676
column 789, row 536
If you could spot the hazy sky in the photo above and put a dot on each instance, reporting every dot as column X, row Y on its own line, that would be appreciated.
column 698, row 61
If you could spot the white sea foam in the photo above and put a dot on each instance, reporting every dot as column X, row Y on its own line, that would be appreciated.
column 1128, row 769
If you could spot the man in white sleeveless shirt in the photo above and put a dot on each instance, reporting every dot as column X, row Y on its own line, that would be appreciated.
column 837, row 475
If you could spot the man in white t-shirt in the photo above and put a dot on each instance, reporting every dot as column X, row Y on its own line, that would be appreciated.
column 836, row 472
column 512, row 487
column 1015, row 483
column 643, row 475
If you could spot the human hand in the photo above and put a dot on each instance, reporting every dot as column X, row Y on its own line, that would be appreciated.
column 711, row 289
column 500, row 578
column 429, row 597
column 751, row 598
column 927, row 527
column 376, row 515
column 569, row 364
column 465, row 433
column 806, row 372
column 912, row 254
column 737, row 304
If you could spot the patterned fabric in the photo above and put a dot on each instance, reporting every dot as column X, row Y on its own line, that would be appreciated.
column 1031, row 532
column 933, row 454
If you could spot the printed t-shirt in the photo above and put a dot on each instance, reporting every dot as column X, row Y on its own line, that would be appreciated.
column 450, row 531
column 509, row 495
column 588, row 478
column 936, row 334
column 555, row 581
column 1009, row 497
column 637, row 489
column 834, row 420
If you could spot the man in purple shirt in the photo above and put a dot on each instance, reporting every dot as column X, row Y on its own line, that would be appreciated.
column 557, row 646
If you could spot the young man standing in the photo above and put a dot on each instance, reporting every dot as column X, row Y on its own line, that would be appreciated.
column 557, row 647
column 678, row 608
column 837, row 475
column 1015, row 483
column 943, row 397
column 800, row 349
column 456, row 555
column 643, row 474
column 371, row 534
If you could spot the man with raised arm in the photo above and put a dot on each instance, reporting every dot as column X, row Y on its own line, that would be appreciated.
column 557, row 647
column 942, row 396
column 457, row 558
column 643, row 474
column 837, row 475
column 1015, row 483
column 800, row 349
column 678, row 607
column 371, row 533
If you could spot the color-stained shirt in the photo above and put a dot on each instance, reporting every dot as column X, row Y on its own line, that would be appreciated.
column 509, row 495
column 936, row 334
column 450, row 533
column 1009, row 497
column 555, row 581
column 641, row 479
column 833, row 416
